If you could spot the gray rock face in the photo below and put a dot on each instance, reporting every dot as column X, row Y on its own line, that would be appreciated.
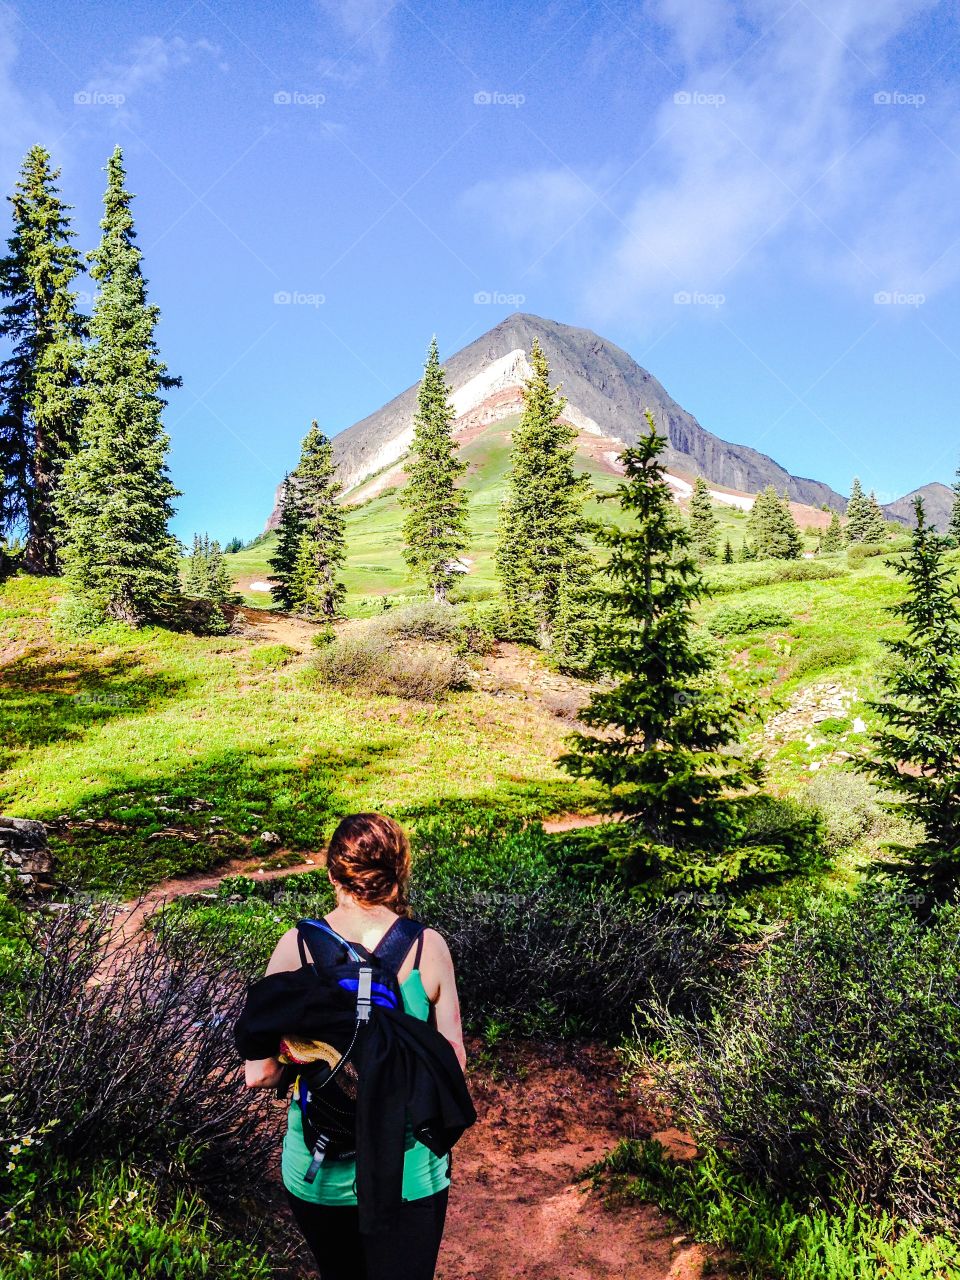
column 604, row 383
column 25, row 862
column 937, row 504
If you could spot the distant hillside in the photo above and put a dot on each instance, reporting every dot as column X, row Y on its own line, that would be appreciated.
column 607, row 393
column 937, row 504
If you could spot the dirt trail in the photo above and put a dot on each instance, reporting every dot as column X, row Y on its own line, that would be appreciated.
column 515, row 1208
column 266, row 869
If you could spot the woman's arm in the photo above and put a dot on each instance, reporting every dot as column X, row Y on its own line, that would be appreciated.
column 265, row 1073
column 440, row 984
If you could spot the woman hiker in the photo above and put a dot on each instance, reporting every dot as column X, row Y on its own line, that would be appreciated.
column 368, row 864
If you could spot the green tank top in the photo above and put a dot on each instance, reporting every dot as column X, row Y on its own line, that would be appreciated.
column 424, row 1174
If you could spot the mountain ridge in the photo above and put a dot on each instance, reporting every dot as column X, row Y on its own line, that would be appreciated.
column 606, row 391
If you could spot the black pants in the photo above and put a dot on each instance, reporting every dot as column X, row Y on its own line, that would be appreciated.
column 407, row 1252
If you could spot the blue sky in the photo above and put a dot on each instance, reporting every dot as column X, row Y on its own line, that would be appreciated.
column 793, row 166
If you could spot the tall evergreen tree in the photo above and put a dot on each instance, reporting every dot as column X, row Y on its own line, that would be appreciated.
column 704, row 525
column 311, row 546
column 771, row 528
column 542, row 558
column 954, row 526
column 876, row 524
column 664, row 727
column 435, row 526
column 284, row 559
column 728, row 552
column 115, row 497
column 832, row 538
column 858, row 514
column 917, row 749
column 40, row 397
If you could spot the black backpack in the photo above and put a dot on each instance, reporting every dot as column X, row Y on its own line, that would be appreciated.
column 326, row 1089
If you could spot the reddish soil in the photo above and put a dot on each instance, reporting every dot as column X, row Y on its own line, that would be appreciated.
column 516, row 1209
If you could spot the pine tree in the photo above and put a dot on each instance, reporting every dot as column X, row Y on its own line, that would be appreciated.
column 771, row 528
column 541, row 541
column 284, row 559
column 954, row 526
column 115, row 496
column 195, row 576
column 703, row 523
column 206, row 576
column 435, row 526
column 858, row 514
column 311, row 545
column 918, row 746
column 876, row 524
column 663, row 727
column 727, row 552
column 832, row 539
column 40, row 395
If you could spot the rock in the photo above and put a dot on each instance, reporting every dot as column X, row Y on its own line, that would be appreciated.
column 859, row 725
column 25, row 861
column 269, row 837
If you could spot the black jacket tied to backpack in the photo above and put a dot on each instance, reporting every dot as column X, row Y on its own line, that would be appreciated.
column 407, row 1071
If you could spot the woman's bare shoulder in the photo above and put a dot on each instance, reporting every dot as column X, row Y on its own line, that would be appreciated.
column 286, row 954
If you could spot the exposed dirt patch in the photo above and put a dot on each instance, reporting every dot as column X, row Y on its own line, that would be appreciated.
column 279, row 628
column 514, row 672
column 516, row 1209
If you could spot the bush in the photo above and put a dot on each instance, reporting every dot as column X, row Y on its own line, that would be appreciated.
column 365, row 661
column 118, row 1227
column 544, row 954
column 737, row 620
column 427, row 674
column 78, row 615
column 722, row 579
column 852, row 811
column 271, row 657
column 857, row 552
column 834, row 1071
column 426, row 620
column 773, row 1237
column 127, row 1047
column 826, row 655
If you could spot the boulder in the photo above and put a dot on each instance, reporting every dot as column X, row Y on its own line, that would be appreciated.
column 26, row 865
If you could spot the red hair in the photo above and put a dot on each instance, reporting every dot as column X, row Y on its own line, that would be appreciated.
column 369, row 858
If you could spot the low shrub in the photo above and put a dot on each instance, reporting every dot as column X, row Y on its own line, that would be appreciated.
column 118, row 1226
column 126, row 1048
column 826, row 655
column 271, row 657
column 852, row 811
column 366, row 660
column 771, row 1236
column 857, row 552
column 723, row 578
column 544, row 954
column 423, row 621
column 769, row 839
column 833, row 1072
column 737, row 620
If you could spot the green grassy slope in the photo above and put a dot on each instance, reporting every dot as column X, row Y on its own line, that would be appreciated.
column 375, row 565
column 164, row 752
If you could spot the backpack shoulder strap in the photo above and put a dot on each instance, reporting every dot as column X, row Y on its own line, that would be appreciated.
column 392, row 949
column 324, row 944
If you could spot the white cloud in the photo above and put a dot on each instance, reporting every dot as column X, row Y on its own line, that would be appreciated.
column 149, row 63
column 535, row 207
column 364, row 23
column 764, row 162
